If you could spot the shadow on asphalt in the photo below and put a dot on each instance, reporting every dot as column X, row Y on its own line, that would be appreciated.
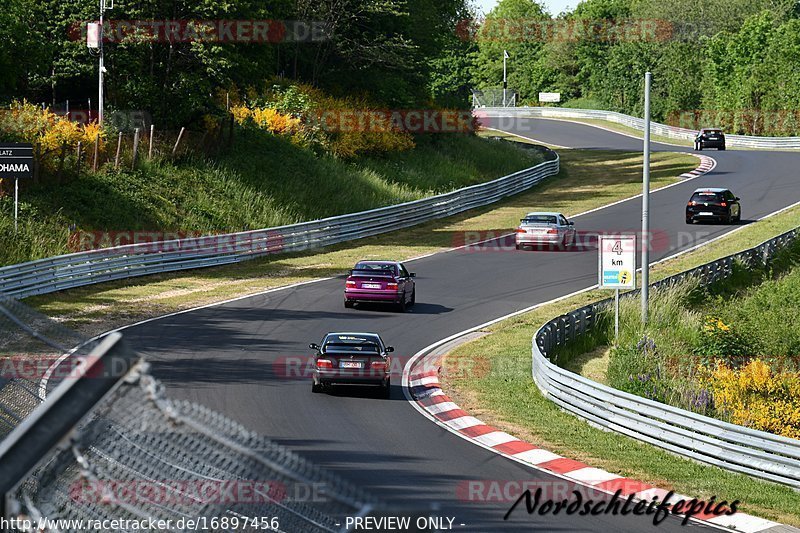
column 419, row 308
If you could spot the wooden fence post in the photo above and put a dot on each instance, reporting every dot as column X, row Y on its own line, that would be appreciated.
column 180, row 136
column 37, row 162
column 119, row 147
column 61, row 161
column 152, row 134
column 96, row 152
column 135, row 148
column 78, row 158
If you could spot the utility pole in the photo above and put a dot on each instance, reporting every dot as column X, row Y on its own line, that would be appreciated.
column 101, row 71
column 505, row 83
column 645, row 240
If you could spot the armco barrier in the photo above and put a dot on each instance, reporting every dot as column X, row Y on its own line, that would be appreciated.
column 671, row 132
column 95, row 266
column 737, row 448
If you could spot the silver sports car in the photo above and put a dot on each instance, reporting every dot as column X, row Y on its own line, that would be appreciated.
column 552, row 229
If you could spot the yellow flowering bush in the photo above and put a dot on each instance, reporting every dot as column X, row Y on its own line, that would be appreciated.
column 312, row 118
column 26, row 122
column 755, row 396
column 266, row 118
column 719, row 340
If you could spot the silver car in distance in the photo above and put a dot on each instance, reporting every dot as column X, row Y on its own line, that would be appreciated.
column 545, row 229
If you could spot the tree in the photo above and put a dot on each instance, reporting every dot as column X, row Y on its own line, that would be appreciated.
column 520, row 27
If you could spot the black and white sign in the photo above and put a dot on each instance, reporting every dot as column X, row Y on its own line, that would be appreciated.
column 16, row 160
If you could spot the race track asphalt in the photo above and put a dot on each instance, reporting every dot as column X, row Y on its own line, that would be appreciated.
column 232, row 357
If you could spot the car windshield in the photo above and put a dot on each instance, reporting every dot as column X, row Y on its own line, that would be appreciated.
column 350, row 343
column 376, row 268
column 540, row 219
column 708, row 196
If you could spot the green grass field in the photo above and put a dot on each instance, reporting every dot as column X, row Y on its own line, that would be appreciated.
column 263, row 181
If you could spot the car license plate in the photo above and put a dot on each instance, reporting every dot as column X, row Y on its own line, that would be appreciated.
column 706, row 214
column 371, row 285
column 349, row 364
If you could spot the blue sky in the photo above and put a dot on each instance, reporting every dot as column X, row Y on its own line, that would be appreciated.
column 553, row 6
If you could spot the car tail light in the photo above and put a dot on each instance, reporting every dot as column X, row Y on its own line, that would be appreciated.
column 378, row 365
column 392, row 286
column 350, row 283
column 724, row 204
column 324, row 363
column 520, row 230
column 551, row 231
column 692, row 203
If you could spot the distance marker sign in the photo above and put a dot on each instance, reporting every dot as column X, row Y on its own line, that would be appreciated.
column 617, row 261
column 16, row 160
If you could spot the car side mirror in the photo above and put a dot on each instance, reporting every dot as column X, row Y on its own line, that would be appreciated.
column 570, row 223
column 389, row 349
column 737, row 198
column 413, row 275
column 314, row 346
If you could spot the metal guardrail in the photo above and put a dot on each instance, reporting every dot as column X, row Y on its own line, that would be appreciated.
column 708, row 440
column 95, row 266
column 671, row 132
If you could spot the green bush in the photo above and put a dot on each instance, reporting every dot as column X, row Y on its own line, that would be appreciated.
column 722, row 341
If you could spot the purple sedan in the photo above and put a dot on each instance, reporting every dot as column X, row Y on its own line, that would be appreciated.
column 380, row 282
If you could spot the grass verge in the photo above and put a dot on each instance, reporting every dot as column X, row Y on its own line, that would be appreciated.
column 508, row 398
column 585, row 182
column 245, row 189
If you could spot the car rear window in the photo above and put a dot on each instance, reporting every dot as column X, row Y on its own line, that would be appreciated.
column 713, row 132
column 540, row 219
column 388, row 269
column 347, row 347
column 707, row 197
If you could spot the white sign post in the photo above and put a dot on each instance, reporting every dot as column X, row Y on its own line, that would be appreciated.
column 16, row 161
column 549, row 97
column 617, row 268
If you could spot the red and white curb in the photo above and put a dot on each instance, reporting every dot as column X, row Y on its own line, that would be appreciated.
column 421, row 380
column 707, row 164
